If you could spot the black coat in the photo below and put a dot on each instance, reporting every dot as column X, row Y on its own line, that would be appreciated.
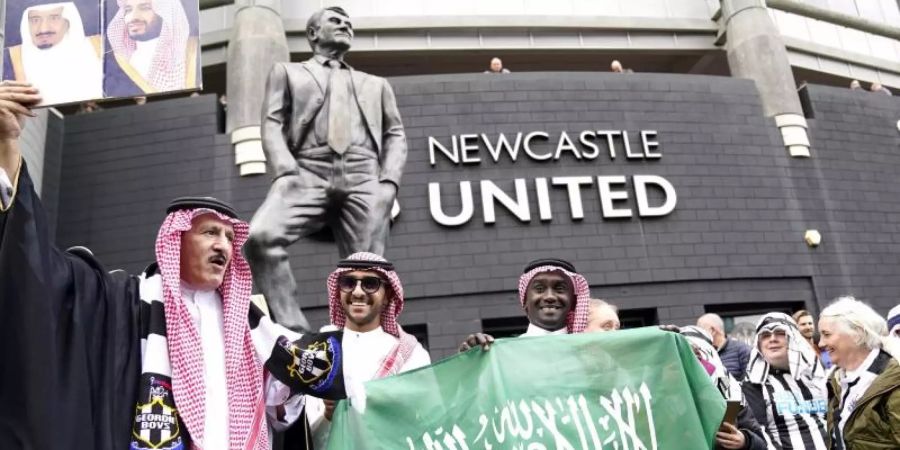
column 69, row 339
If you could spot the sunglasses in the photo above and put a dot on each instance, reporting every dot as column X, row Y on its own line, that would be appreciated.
column 370, row 285
column 770, row 334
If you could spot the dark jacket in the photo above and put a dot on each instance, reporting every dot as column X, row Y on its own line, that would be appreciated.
column 875, row 423
column 735, row 356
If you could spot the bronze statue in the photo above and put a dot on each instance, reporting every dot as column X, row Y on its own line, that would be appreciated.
column 335, row 144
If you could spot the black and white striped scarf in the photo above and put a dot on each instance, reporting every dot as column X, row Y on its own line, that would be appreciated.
column 307, row 364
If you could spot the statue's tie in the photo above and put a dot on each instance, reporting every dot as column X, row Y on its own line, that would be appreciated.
column 339, row 108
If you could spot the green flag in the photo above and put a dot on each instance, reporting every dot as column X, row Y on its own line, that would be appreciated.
column 626, row 390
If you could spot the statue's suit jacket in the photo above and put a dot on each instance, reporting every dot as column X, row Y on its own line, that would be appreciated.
column 295, row 93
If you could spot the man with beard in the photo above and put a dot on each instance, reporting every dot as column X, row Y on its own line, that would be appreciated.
column 365, row 299
column 785, row 385
column 152, row 49
column 807, row 326
column 55, row 55
column 556, row 300
column 174, row 358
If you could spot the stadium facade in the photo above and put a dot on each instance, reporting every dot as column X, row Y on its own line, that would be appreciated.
column 697, row 184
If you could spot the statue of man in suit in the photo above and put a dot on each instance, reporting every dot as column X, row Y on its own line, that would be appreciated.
column 336, row 146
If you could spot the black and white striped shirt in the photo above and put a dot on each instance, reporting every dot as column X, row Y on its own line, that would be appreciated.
column 792, row 411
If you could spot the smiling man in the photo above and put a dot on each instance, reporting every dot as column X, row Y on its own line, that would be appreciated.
column 807, row 326
column 153, row 49
column 785, row 385
column 365, row 299
column 556, row 300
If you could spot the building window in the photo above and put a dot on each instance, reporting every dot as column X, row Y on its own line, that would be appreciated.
column 638, row 317
column 514, row 326
column 505, row 326
column 420, row 331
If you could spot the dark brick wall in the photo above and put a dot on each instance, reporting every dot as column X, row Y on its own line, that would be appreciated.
column 736, row 236
column 53, row 146
column 849, row 190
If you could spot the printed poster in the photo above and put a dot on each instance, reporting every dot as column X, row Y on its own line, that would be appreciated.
column 85, row 50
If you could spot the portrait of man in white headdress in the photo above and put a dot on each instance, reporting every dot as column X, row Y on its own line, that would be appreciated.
column 153, row 47
column 55, row 55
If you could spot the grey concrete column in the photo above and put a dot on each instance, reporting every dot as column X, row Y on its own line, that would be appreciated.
column 756, row 52
column 257, row 42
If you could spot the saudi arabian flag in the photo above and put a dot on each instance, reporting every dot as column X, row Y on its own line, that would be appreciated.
column 625, row 390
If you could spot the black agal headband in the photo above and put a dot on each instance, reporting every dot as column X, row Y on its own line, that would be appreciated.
column 776, row 320
column 202, row 203
column 364, row 265
column 561, row 263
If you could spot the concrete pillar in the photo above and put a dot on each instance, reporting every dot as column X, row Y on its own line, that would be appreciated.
column 257, row 42
column 756, row 52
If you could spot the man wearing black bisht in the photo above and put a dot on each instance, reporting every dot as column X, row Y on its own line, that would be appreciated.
column 176, row 358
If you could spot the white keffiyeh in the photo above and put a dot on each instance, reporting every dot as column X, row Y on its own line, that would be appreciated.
column 802, row 359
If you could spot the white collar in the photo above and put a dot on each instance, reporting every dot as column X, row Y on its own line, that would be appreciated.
column 143, row 55
column 193, row 295
column 149, row 44
column 534, row 330
column 377, row 332
column 864, row 367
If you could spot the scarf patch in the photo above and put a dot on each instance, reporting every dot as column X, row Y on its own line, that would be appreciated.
column 157, row 424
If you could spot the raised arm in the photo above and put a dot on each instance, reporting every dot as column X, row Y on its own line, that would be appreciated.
column 15, row 100
column 67, row 328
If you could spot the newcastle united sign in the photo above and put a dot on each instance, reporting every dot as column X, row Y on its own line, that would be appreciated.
column 620, row 196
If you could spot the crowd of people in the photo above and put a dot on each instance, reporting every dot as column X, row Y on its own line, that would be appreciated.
column 790, row 398
column 182, row 343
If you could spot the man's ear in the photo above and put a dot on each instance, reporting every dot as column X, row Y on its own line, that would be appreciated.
column 312, row 34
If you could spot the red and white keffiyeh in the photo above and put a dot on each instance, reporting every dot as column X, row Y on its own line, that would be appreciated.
column 401, row 353
column 167, row 69
column 576, row 320
column 243, row 369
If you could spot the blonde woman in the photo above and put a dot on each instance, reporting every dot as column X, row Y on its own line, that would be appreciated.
column 864, row 390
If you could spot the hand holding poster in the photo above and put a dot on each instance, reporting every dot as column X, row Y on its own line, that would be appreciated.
column 72, row 53
column 633, row 389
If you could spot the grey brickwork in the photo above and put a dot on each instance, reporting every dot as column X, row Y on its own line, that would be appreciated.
column 52, row 166
column 736, row 236
column 849, row 191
